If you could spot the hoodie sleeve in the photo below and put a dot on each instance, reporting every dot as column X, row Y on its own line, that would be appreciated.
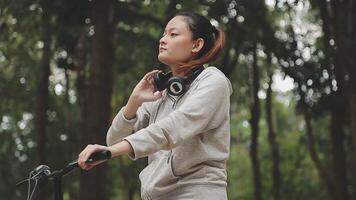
column 206, row 107
column 122, row 127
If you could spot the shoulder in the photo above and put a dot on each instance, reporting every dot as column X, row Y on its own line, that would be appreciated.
column 211, row 71
column 213, row 77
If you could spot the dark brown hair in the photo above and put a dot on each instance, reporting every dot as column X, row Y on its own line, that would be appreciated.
column 214, row 40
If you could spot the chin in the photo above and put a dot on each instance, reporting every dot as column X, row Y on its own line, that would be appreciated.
column 163, row 60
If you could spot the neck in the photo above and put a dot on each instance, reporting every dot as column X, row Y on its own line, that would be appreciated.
column 181, row 74
column 175, row 72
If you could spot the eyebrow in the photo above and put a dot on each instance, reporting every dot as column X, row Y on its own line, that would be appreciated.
column 170, row 29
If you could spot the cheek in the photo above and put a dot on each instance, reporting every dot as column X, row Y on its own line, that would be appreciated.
column 178, row 51
column 182, row 49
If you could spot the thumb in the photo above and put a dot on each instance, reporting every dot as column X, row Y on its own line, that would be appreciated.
column 157, row 95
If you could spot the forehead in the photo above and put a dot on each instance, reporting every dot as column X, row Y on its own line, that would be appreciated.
column 177, row 22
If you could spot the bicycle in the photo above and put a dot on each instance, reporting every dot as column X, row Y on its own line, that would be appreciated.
column 42, row 172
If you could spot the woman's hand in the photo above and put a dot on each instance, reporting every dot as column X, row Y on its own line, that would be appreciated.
column 116, row 150
column 143, row 92
column 85, row 154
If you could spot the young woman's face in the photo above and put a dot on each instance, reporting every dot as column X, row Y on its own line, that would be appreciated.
column 176, row 44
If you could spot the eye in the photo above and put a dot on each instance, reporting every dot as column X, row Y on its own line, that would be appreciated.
column 173, row 34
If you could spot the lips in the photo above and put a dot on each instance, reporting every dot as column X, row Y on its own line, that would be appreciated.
column 162, row 49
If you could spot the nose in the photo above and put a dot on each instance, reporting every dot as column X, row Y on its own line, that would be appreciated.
column 162, row 40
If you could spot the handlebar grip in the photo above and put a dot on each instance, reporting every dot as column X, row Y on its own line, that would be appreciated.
column 99, row 156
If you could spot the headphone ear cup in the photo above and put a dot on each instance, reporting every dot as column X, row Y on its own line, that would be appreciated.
column 160, row 81
column 176, row 86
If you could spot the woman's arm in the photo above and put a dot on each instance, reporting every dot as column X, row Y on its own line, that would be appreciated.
column 124, row 122
column 135, row 115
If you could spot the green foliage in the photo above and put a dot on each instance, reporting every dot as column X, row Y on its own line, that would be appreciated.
column 138, row 28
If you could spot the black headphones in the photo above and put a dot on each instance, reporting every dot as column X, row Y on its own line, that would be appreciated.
column 175, row 85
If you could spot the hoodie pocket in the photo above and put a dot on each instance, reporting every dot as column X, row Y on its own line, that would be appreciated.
column 158, row 178
column 145, row 174
column 170, row 162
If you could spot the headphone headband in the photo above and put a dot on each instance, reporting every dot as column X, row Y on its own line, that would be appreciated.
column 195, row 74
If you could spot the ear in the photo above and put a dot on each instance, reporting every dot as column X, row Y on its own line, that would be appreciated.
column 198, row 45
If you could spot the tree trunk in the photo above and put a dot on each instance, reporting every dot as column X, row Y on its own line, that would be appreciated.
column 93, row 184
column 43, row 93
column 351, row 32
column 336, row 21
column 42, row 96
column 273, row 142
column 353, row 131
column 80, row 65
column 323, row 174
column 229, row 61
column 255, row 116
column 338, row 149
column 81, row 82
column 67, row 103
column 131, row 194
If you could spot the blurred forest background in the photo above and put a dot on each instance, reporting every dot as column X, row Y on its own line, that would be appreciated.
column 67, row 67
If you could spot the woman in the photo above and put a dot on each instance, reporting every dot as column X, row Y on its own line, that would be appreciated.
column 184, row 132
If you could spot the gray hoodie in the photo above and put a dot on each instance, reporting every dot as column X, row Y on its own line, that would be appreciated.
column 186, row 139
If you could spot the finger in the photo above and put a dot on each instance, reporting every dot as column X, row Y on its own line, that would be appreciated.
column 81, row 163
column 88, row 167
column 151, row 81
column 157, row 95
column 87, row 152
column 87, row 148
column 83, row 166
column 94, row 148
column 82, row 155
column 149, row 74
column 84, row 150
